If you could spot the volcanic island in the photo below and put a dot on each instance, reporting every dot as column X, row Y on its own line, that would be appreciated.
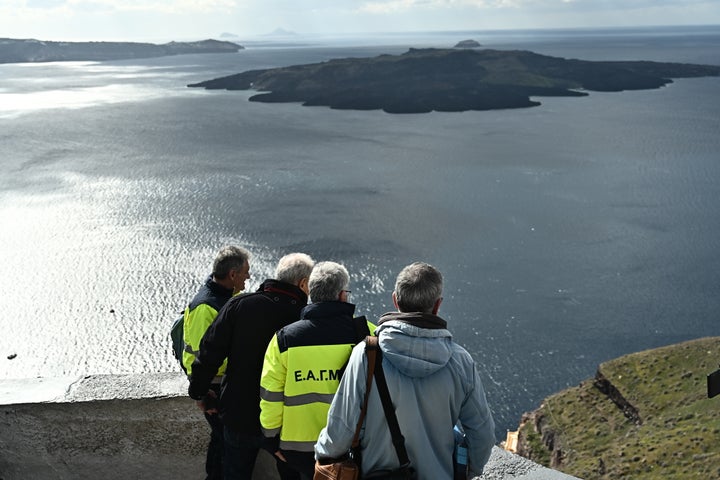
column 450, row 80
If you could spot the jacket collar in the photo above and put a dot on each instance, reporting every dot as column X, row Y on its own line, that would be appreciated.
column 218, row 289
column 418, row 319
column 275, row 286
column 328, row 309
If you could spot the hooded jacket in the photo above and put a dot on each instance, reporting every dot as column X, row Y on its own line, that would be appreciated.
column 433, row 384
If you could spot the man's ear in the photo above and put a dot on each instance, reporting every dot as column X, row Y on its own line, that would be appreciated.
column 394, row 297
column 436, row 307
column 303, row 285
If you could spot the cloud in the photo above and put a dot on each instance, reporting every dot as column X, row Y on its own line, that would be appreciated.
column 116, row 6
column 399, row 6
column 44, row 3
column 163, row 6
column 144, row 20
column 395, row 6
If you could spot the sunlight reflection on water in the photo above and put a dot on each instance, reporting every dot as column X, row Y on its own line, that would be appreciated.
column 79, row 243
column 76, row 85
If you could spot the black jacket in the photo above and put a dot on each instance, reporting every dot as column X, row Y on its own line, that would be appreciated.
column 241, row 332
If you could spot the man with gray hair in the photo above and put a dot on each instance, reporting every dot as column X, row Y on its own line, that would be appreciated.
column 240, row 333
column 303, row 365
column 433, row 383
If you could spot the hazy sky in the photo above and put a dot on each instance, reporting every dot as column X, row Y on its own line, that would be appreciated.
column 199, row 19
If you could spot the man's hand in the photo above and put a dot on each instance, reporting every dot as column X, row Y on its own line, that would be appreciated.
column 208, row 403
column 271, row 444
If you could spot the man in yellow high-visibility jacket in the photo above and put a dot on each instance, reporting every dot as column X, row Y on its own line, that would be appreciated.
column 303, row 365
column 230, row 270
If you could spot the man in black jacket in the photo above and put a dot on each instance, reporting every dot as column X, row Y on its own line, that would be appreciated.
column 241, row 333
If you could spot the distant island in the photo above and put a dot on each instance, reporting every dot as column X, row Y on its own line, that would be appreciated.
column 467, row 44
column 644, row 416
column 30, row 50
column 450, row 80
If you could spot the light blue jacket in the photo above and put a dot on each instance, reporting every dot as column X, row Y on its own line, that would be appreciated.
column 433, row 383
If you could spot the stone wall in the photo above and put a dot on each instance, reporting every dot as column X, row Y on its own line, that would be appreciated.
column 104, row 427
column 124, row 427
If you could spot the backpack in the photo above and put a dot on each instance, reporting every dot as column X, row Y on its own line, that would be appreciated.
column 176, row 335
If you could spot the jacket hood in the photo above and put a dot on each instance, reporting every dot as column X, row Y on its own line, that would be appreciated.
column 416, row 351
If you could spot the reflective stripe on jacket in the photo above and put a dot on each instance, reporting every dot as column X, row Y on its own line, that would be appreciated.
column 301, row 373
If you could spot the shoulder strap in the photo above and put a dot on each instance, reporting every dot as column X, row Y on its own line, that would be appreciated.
column 371, row 349
column 397, row 438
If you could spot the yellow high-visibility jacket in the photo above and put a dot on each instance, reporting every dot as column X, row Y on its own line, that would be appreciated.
column 302, row 369
column 198, row 316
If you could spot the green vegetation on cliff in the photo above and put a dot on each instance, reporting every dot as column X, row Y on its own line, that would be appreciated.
column 451, row 80
column 644, row 416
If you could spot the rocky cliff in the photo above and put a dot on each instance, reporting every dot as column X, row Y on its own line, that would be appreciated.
column 644, row 416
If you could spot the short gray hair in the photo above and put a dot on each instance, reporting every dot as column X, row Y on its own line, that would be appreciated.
column 293, row 267
column 327, row 280
column 418, row 287
column 229, row 258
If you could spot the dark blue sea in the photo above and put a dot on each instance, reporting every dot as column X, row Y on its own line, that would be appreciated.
column 568, row 234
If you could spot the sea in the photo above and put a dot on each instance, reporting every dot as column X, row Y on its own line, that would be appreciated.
column 568, row 234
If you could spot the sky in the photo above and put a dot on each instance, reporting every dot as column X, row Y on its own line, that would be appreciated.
column 182, row 20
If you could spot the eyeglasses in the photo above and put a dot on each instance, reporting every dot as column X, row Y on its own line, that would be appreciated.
column 347, row 291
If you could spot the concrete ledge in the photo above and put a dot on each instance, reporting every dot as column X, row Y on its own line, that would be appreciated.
column 132, row 426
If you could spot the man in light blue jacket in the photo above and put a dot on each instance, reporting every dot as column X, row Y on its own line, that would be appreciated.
column 433, row 383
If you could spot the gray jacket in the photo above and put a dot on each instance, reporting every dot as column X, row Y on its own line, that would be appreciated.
column 433, row 383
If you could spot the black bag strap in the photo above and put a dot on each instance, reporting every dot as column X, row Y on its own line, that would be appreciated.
column 372, row 357
column 397, row 437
